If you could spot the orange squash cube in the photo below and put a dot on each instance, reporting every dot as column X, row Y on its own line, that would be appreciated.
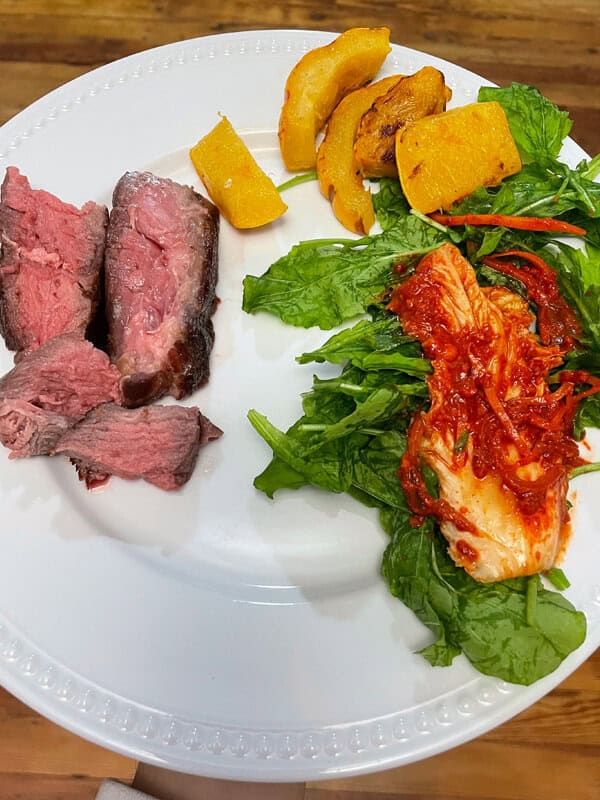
column 242, row 192
column 444, row 157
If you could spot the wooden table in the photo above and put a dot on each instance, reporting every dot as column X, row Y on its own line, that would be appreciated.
column 551, row 750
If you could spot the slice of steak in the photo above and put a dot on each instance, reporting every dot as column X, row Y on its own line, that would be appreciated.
column 28, row 430
column 49, row 390
column 161, row 272
column 50, row 263
column 157, row 443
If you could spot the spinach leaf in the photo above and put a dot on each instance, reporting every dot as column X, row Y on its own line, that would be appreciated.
column 407, row 568
column 324, row 284
column 488, row 622
column 557, row 578
column 279, row 475
column 537, row 125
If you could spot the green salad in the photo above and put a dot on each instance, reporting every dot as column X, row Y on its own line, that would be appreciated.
column 353, row 433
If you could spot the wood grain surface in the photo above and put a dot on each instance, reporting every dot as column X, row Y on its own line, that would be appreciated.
column 553, row 749
column 551, row 44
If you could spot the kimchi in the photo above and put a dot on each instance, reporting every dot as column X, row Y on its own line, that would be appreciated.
column 498, row 435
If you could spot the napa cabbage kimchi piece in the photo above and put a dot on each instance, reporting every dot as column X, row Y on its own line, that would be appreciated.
column 497, row 436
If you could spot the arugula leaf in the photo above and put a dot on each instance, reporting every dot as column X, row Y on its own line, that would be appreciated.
column 584, row 469
column 419, row 367
column 487, row 276
column 297, row 180
column 548, row 191
column 537, row 125
column 578, row 274
column 381, row 405
column 390, row 203
column 488, row 622
column 540, row 190
column 328, row 407
column 362, row 338
column 591, row 169
column 588, row 360
column 588, row 416
column 591, row 225
column 319, row 408
column 324, row 284
column 330, row 468
column 369, row 398
column 482, row 241
column 338, row 420
column 373, row 345
column 478, row 202
column 359, row 391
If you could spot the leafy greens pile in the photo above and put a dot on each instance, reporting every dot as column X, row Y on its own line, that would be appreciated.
column 352, row 435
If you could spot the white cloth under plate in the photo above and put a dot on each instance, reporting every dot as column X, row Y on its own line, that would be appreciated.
column 111, row 790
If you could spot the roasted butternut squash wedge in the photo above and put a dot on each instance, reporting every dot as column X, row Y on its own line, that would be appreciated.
column 444, row 157
column 413, row 97
column 242, row 192
column 317, row 84
column 339, row 176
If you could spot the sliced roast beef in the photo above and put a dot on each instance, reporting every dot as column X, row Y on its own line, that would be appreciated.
column 161, row 271
column 28, row 430
column 158, row 443
column 50, row 263
column 49, row 390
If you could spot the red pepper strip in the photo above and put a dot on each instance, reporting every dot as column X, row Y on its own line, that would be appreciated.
column 577, row 376
column 557, row 322
column 505, row 420
column 519, row 223
column 573, row 378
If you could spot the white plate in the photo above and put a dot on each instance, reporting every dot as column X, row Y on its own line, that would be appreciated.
column 212, row 630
